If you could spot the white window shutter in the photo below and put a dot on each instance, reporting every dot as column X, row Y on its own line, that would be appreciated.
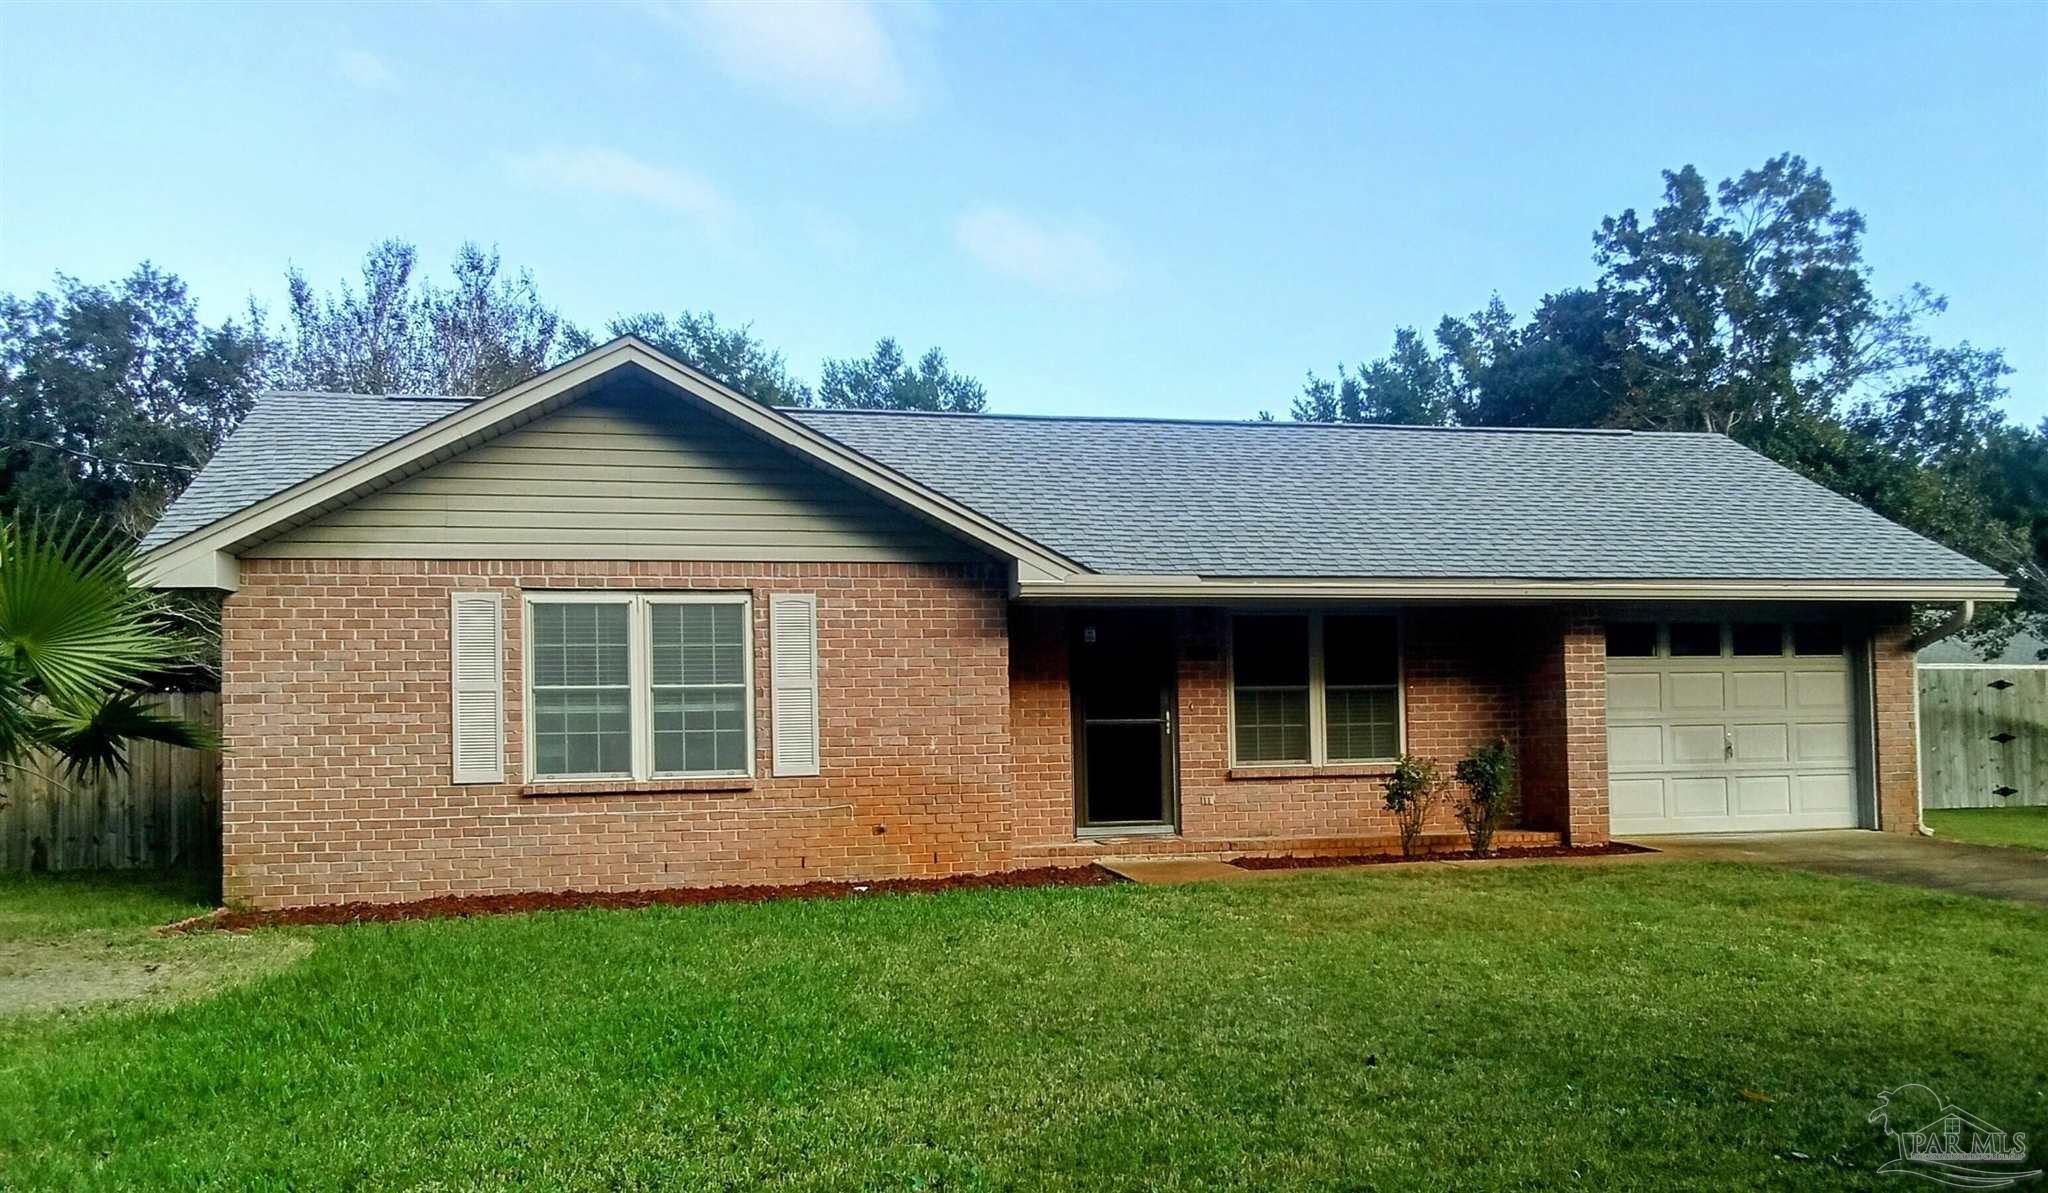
column 476, row 649
column 793, row 699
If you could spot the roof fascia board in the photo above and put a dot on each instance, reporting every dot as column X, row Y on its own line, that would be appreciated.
column 182, row 556
column 1199, row 588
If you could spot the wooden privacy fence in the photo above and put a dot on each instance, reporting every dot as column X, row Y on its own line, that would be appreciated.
column 165, row 810
column 1983, row 736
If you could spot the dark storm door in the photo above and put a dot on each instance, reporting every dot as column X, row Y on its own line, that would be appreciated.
column 1123, row 692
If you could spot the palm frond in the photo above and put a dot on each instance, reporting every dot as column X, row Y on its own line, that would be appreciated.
column 69, row 615
column 17, row 724
column 92, row 735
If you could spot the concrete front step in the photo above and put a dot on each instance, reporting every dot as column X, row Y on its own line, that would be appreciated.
column 1221, row 849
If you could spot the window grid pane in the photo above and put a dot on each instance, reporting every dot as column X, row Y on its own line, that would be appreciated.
column 698, row 664
column 582, row 699
column 1363, row 722
column 1360, row 651
column 1272, row 725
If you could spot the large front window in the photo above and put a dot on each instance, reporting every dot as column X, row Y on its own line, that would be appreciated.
column 626, row 686
column 1313, row 688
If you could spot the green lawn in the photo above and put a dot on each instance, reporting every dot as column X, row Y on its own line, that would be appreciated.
column 2026, row 828
column 1649, row 1025
column 38, row 905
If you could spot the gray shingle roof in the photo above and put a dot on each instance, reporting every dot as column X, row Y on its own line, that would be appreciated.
column 1292, row 499
column 1266, row 499
column 288, row 438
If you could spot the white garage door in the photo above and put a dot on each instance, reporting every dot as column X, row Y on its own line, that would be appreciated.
column 1742, row 738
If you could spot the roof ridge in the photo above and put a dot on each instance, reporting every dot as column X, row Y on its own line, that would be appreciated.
column 1161, row 420
column 350, row 393
column 1019, row 416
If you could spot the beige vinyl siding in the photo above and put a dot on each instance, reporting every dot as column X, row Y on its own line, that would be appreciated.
column 623, row 474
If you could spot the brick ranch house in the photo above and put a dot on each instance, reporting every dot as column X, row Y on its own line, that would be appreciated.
column 619, row 627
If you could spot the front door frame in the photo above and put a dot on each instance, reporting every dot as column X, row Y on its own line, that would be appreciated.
column 1170, row 722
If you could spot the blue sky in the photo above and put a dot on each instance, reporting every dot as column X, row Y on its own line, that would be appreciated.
column 1130, row 209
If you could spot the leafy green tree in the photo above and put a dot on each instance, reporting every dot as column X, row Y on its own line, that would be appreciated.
column 78, row 639
column 1747, row 308
column 885, row 380
column 731, row 355
column 1410, row 386
column 111, row 397
column 485, row 332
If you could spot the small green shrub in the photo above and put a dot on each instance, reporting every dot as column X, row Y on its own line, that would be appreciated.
column 1493, row 794
column 1411, row 793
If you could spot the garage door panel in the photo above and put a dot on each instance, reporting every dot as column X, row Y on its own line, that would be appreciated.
column 1693, row 744
column 1636, row 799
column 1822, row 689
column 1692, row 798
column 1825, row 742
column 1635, row 746
column 1634, row 693
column 1828, row 796
column 1759, row 690
column 1696, row 690
column 1762, row 743
column 1763, row 795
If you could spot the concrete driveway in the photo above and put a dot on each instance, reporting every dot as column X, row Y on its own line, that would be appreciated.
column 1992, row 871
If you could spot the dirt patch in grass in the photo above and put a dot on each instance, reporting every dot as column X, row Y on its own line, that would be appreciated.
column 107, row 970
column 1459, row 855
column 474, row 905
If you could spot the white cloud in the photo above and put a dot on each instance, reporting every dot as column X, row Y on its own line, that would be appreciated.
column 835, row 55
column 1063, row 258
column 365, row 70
column 596, row 170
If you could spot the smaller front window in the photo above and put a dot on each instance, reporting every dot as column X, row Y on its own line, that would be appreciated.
column 1315, row 688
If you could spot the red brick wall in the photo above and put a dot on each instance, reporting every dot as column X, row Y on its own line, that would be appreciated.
column 1041, row 726
column 336, row 711
column 1894, row 692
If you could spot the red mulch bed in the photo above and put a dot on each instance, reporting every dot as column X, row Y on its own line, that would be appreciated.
column 473, row 905
column 1460, row 855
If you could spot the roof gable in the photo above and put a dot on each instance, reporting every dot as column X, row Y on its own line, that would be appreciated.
column 203, row 555
column 624, row 472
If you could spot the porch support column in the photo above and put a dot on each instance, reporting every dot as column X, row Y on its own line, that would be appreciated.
column 1894, row 695
column 1584, row 648
column 1564, row 726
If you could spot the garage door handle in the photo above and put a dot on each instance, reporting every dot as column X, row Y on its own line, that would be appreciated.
column 1727, row 744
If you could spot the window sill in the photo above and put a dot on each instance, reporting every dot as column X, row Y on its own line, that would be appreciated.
column 636, row 786
column 1335, row 770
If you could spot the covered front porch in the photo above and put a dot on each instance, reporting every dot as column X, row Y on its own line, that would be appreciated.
column 1215, row 731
